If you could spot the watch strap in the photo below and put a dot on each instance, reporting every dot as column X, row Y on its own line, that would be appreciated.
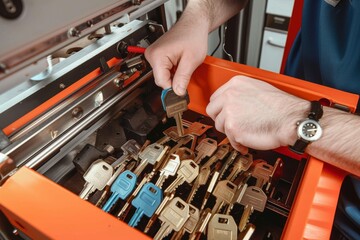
column 316, row 110
column 299, row 146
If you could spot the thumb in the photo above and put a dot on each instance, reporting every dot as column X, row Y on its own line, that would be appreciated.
column 183, row 74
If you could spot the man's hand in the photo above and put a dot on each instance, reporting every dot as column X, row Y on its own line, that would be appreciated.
column 184, row 48
column 255, row 114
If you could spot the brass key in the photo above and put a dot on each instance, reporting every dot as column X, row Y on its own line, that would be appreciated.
column 241, row 163
column 187, row 172
column 219, row 155
column 201, row 224
column 173, row 217
column 170, row 134
column 247, row 232
column 174, row 106
column 224, row 193
column 222, row 227
column 254, row 199
column 197, row 129
column 275, row 175
column 205, row 148
column 184, row 153
column 190, row 223
column 201, row 180
column 262, row 172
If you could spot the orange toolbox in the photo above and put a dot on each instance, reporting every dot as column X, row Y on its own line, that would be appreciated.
column 42, row 209
column 101, row 105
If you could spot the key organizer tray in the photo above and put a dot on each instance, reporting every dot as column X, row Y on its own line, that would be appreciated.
column 43, row 209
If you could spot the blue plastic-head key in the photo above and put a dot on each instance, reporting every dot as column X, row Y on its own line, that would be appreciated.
column 121, row 188
column 146, row 202
column 163, row 94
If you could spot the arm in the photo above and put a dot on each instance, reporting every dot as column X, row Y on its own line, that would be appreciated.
column 340, row 143
column 255, row 114
column 184, row 46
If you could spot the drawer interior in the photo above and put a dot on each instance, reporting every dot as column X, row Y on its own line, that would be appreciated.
column 148, row 117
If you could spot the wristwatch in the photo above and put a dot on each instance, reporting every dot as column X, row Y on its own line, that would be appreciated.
column 309, row 129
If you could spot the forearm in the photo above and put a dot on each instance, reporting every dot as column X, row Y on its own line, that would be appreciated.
column 210, row 13
column 340, row 143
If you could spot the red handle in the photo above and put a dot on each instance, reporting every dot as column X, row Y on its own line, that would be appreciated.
column 135, row 49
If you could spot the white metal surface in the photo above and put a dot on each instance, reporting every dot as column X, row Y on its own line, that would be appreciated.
column 280, row 7
column 272, row 50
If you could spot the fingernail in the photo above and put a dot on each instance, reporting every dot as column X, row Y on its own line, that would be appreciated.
column 180, row 90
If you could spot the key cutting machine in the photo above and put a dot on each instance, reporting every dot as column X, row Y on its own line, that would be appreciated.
column 77, row 92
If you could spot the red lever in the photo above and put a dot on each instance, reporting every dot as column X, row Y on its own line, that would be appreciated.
column 135, row 49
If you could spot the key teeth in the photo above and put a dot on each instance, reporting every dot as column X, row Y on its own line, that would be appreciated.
column 193, row 195
column 134, row 221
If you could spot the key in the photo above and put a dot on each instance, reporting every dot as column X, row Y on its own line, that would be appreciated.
column 262, row 172
column 222, row 227
column 220, row 168
column 190, row 223
column 174, row 106
column 219, row 155
column 228, row 162
column 183, row 141
column 185, row 153
column 211, row 185
column 130, row 151
column 275, row 175
column 247, row 232
column 121, row 188
column 224, row 193
column 201, row 225
column 240, row 164
column 151, row 154
column 187, row 172
column 170, row 134
column 170, row 169
column 254, row 199
column 240, row 181
column 197, row 129
column 96, row 177
column 167, row 197
column 205, row 148
column 146, row 202
column 126, row 208
column 200, row 181
column 173, row 217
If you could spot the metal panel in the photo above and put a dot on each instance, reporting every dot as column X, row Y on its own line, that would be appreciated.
column 46, row 26
column 257, row 19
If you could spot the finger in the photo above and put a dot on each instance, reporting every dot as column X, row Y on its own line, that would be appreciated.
column 214, row 108
column 237, row 146
column 219, row 122
column 183, row 74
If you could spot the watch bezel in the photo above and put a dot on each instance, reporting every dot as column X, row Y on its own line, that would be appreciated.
column 317, row 135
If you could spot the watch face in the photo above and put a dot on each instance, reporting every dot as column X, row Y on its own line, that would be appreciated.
column 309, row 130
